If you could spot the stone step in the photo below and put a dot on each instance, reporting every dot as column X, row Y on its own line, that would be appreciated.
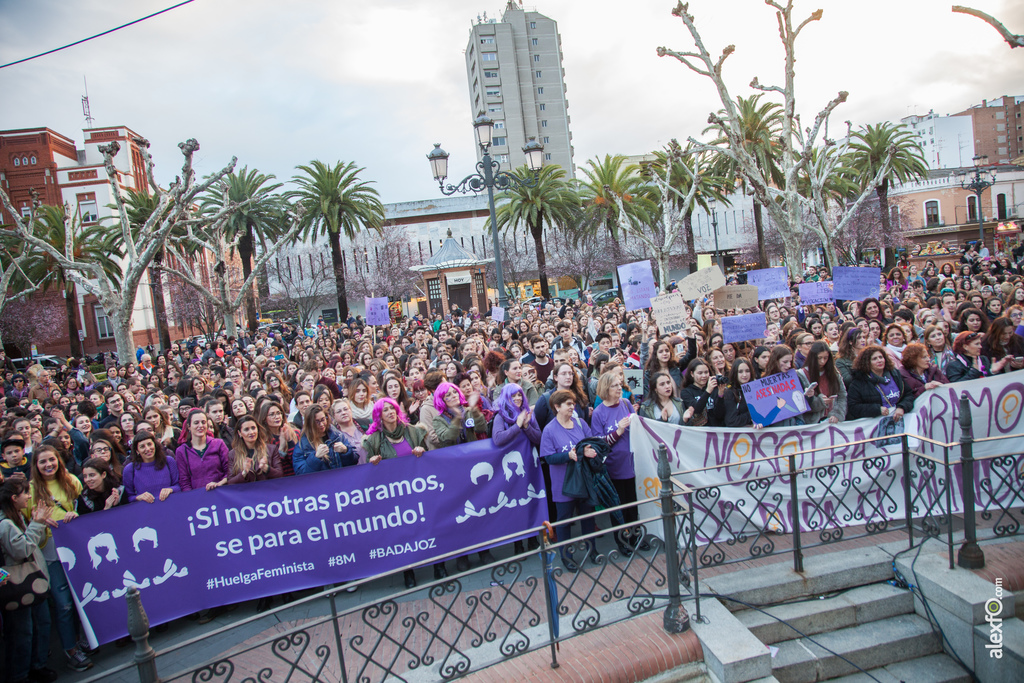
column 853, row 607
column 870, row 646
column 930, row 669
column 826, row 573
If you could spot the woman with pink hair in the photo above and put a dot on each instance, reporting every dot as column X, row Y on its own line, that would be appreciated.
column 390, row 435
column 459, row 419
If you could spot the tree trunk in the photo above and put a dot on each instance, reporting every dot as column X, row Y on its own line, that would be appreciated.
column 616, row 259
column 156, row 278
column 762, row 251
column 70, row 299
column 883, row 206
column 339, row 275
column 245, row 250
column 542, row 262
column 691, row 245
column 123, row 338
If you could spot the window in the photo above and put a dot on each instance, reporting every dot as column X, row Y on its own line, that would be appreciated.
column 931, row 213
column 490, row 74
column 487, row 41
column 547, row 156
column 494, row 92
column 499, row 125
column 479, row 277
column 489, row 56
column 493, row 108
column 503, row 158
column 536, row 58
column 33, row 160
column 538, row 74
column 533, row 40
column 1001, row 206
column 499, row 142
column 87, row 210
column 17, row 161
column 543, row 107
column 544, row 123
column 24, row 161
column 540, row 90
column 26, row 211
column 972, row 208
column 546, row 140
column 103, row 328
column 533, row 24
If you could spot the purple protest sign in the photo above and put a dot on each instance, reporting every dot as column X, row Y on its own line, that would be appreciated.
column 738, row 328
column 637, row 280
column 771, row 283
column 854, row 283
column 816, row 293
column 775, row 398
column 202, row 549
column 377, row 311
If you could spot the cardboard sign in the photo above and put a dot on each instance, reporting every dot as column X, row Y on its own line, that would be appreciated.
column 736, row 296
column 637, row 280
column 775, row 398
column 377, row 311
column 702, row 283
column 771, row 283
column 498, row 314
column 634, row 380
column 671, row 313
column 816, row 293
column 738, row 328
column 853, row 283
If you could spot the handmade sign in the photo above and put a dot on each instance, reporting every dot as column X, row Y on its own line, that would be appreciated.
column 201, row 549
column 671, row 313
column 634, row 380
column 498, row 314
column 637, row 280
column 771, row 283
column 816, row 293
column 855, row 283
column 775, row 398
column 736, row 296
column 377, row 311
column 738, row 328
column 702, row 283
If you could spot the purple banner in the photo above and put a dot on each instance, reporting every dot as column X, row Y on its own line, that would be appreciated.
column 203, row 549
column 775, row 398
column 771, row 283
column 738, row 328
column 377, row 311
column 853, row 283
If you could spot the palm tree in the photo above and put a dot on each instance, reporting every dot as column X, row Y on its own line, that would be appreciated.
column 868, row 152
column 92, row 243
column 336, row 201
column 140, row 205
column 607, row 179
column 760, row 128
column 549, row 200
column 259, row 220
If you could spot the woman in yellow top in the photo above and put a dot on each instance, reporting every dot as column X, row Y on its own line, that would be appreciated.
column 54, row 487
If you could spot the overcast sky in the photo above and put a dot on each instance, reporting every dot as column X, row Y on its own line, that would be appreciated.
column 281, row 83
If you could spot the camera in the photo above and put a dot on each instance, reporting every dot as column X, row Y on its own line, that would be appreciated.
column 721, row 379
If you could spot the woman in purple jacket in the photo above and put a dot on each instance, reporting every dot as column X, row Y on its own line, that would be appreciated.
column 203, row 461
column 512, row 417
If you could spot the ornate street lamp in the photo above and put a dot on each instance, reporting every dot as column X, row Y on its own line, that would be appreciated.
column 978, row 183
column 488, row 176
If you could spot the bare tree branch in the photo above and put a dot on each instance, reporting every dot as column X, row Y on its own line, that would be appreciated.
column 1014, row 39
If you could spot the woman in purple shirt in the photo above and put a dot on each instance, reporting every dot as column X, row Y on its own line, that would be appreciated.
column 558, row 447
column 609, row 416
column 203, row 460
column 512, row 417
column 149, row 475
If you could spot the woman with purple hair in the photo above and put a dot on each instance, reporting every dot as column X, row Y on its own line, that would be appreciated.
column 390, row 435
column 512, row 417
column 459, row 418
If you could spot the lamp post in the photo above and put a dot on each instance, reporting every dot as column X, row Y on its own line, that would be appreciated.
column 713, row 206
column 488, row 176
column 978, row 183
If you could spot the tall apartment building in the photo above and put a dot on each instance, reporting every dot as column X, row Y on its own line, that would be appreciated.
column 994, row 128
column 515, row 75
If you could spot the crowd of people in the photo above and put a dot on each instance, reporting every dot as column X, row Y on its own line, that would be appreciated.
column 281, row 403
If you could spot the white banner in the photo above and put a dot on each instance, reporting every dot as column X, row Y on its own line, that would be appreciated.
column 853, row 492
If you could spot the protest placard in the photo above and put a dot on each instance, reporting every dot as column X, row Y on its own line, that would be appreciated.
column 775, row 398
column 702, row 283
column 854, row 283
column 377, row 311
column 737, row 328
column 816, row 293
column 736, row 296
column 634, row 380
column 771, row 283
column 498, row 314
column 637, row 280
column 670, row 312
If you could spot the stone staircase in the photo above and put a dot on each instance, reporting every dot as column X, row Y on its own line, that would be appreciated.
column 843, row 602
